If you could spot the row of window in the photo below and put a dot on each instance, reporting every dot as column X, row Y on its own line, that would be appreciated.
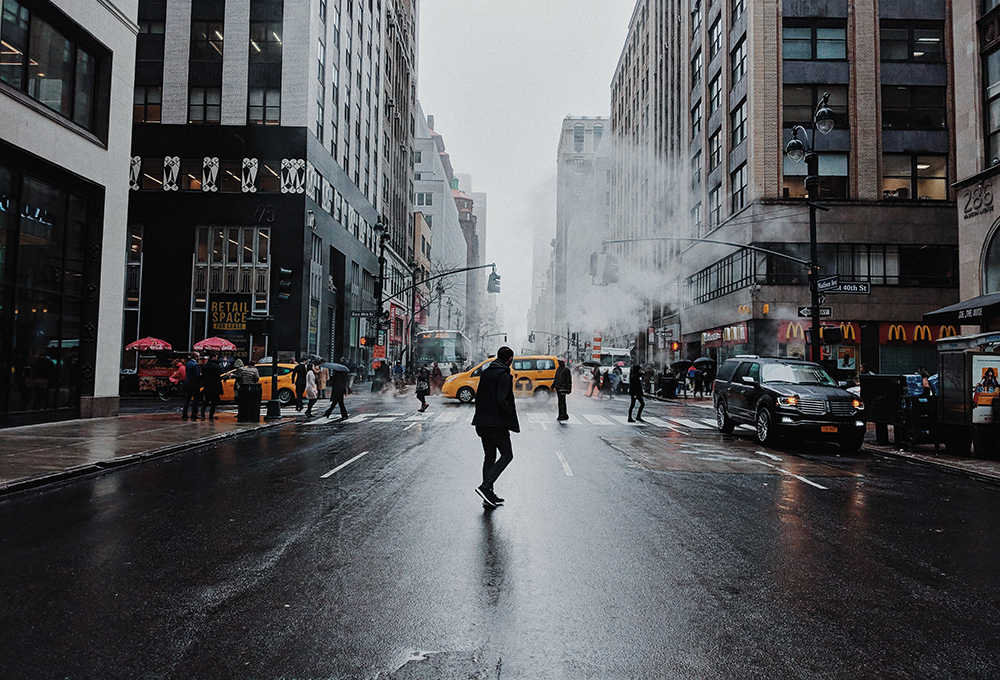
column 879, row 264
column 826, row 40
column 205, row 105
column 42, row 62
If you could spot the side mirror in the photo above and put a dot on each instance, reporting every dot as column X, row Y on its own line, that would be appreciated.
column 748, row 380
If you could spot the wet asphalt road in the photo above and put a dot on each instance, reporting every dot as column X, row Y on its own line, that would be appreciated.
column 658, row 551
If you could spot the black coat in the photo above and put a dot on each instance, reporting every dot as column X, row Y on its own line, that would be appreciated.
column 211, row 379
column 495, row 399
column 299, row 376
column 635, row 382
column 563, row 382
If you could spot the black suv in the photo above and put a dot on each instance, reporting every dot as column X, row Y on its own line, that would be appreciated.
column 784, row 396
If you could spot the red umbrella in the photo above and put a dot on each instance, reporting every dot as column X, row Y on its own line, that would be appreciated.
column 217, row 344
column 147, row 344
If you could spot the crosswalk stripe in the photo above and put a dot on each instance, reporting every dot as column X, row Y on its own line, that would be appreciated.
column 710, row 422
column 383, row 419
column 448, row 417
column 624, row 421
column 358, row 418
column 418, row 417
column 693, row 424
column 597, row 420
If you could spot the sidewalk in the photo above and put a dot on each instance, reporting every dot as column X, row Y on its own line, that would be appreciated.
column 923, row 454
column 35, row 455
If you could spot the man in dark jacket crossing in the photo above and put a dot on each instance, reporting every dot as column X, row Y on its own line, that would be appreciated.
column 635, row 391
column 563, row 385
column 495, row 419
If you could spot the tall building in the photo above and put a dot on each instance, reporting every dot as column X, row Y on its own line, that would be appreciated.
column 432, row 180
column 272, row 135
column 975, row 49
column 704, row 99
column 489, row 325
column 65, row 86
column 582, row 222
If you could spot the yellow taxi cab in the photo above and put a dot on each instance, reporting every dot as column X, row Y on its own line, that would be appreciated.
column 286, row 384
column 533, row 376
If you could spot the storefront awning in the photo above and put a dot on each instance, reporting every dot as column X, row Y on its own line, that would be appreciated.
column 969, row 312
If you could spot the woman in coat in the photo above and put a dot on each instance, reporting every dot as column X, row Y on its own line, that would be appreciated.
column 311, row 393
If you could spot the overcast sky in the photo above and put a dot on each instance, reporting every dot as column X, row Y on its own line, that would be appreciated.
column 499, row 76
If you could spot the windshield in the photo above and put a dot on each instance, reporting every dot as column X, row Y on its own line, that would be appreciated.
column 613, row 359
column 796, row 374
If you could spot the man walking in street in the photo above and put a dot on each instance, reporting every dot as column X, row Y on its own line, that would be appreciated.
column 495, row 419
column 563, row 385
column 211, row 381
column 635, row 391
column 192, row 387
column 338, row 387
column 299, row 378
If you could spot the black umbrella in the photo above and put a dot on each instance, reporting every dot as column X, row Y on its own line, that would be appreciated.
column 703, row 361
column 338, row 368
column 681, row 365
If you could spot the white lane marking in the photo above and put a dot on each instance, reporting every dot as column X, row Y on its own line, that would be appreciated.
column 768, row 455
column 624, row 421
column 597, row 420
column 802, row 479
column 544, row 426
column 710, row 422
column 447, row 417
column 693, row 424
column 358, row 418
column 562, row 459
column 418, row 416
column 383, row 419
column 653, row 420
column 409, row 426
column 343, row 465
column 539, row 417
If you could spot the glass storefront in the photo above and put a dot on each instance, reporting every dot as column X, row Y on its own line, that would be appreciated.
column 42, row 244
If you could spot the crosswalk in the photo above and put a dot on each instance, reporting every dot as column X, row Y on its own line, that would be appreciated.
column 533, row 420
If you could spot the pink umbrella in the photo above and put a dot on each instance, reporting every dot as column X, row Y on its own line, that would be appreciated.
column 216, row 344
column 147, row 344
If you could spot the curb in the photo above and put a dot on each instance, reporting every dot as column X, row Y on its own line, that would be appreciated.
column 938, row 464
column 131, row 459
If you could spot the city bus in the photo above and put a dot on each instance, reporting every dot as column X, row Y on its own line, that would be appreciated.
column 444, row 347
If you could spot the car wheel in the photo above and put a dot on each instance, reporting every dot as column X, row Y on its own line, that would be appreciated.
column 726, row 424
column 852, row 443
column 542, row 394
column 765, row 427
column 466, row 395
column 286, row 396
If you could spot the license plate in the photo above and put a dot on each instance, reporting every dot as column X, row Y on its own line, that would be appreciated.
column 829, row 428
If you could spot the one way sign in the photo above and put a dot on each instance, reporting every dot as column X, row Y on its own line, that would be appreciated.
column 824, row 312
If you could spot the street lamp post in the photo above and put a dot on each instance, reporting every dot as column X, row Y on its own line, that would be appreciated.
column 381, row 234
column 796, row 150
column 414, row 270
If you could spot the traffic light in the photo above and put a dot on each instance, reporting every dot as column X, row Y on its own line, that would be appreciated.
column 531, row 337
column 284, row 284
column 611, row 270
column 493, row 285
column 675, row 346
column 366, row 341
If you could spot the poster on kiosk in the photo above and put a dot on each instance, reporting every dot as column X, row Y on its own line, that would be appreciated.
column 986, row 387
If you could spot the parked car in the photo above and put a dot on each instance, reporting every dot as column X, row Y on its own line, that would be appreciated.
column 286, row 384
column 780, row 396
column 533, row 376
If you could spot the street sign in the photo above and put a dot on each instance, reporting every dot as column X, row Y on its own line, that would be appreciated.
column 823, row 312
column 857, row 288
column 378, row 352
column 829, row 283
column 364, row 313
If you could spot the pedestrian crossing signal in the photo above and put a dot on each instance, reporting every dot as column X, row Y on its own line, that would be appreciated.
column 675, row 346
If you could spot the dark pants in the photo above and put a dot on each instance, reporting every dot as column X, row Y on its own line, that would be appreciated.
column 562, row 406
column 494, row 439
column 642, row 405
column 209, row 404
column 192, row 398
column 309, row 407
column 422, row 396
column 335, row 400
column 299, row 391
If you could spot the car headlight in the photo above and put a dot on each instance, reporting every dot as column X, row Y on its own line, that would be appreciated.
column 791, row 402
column 858, row 404
column 449, row 378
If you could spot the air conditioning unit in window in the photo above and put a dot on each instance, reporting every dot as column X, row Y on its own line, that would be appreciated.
column 390, row 102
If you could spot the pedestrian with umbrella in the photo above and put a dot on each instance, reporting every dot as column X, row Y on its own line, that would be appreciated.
column 339, row 377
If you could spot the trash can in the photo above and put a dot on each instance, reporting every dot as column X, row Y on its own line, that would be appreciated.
column 668, row 387
column 248, row 403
